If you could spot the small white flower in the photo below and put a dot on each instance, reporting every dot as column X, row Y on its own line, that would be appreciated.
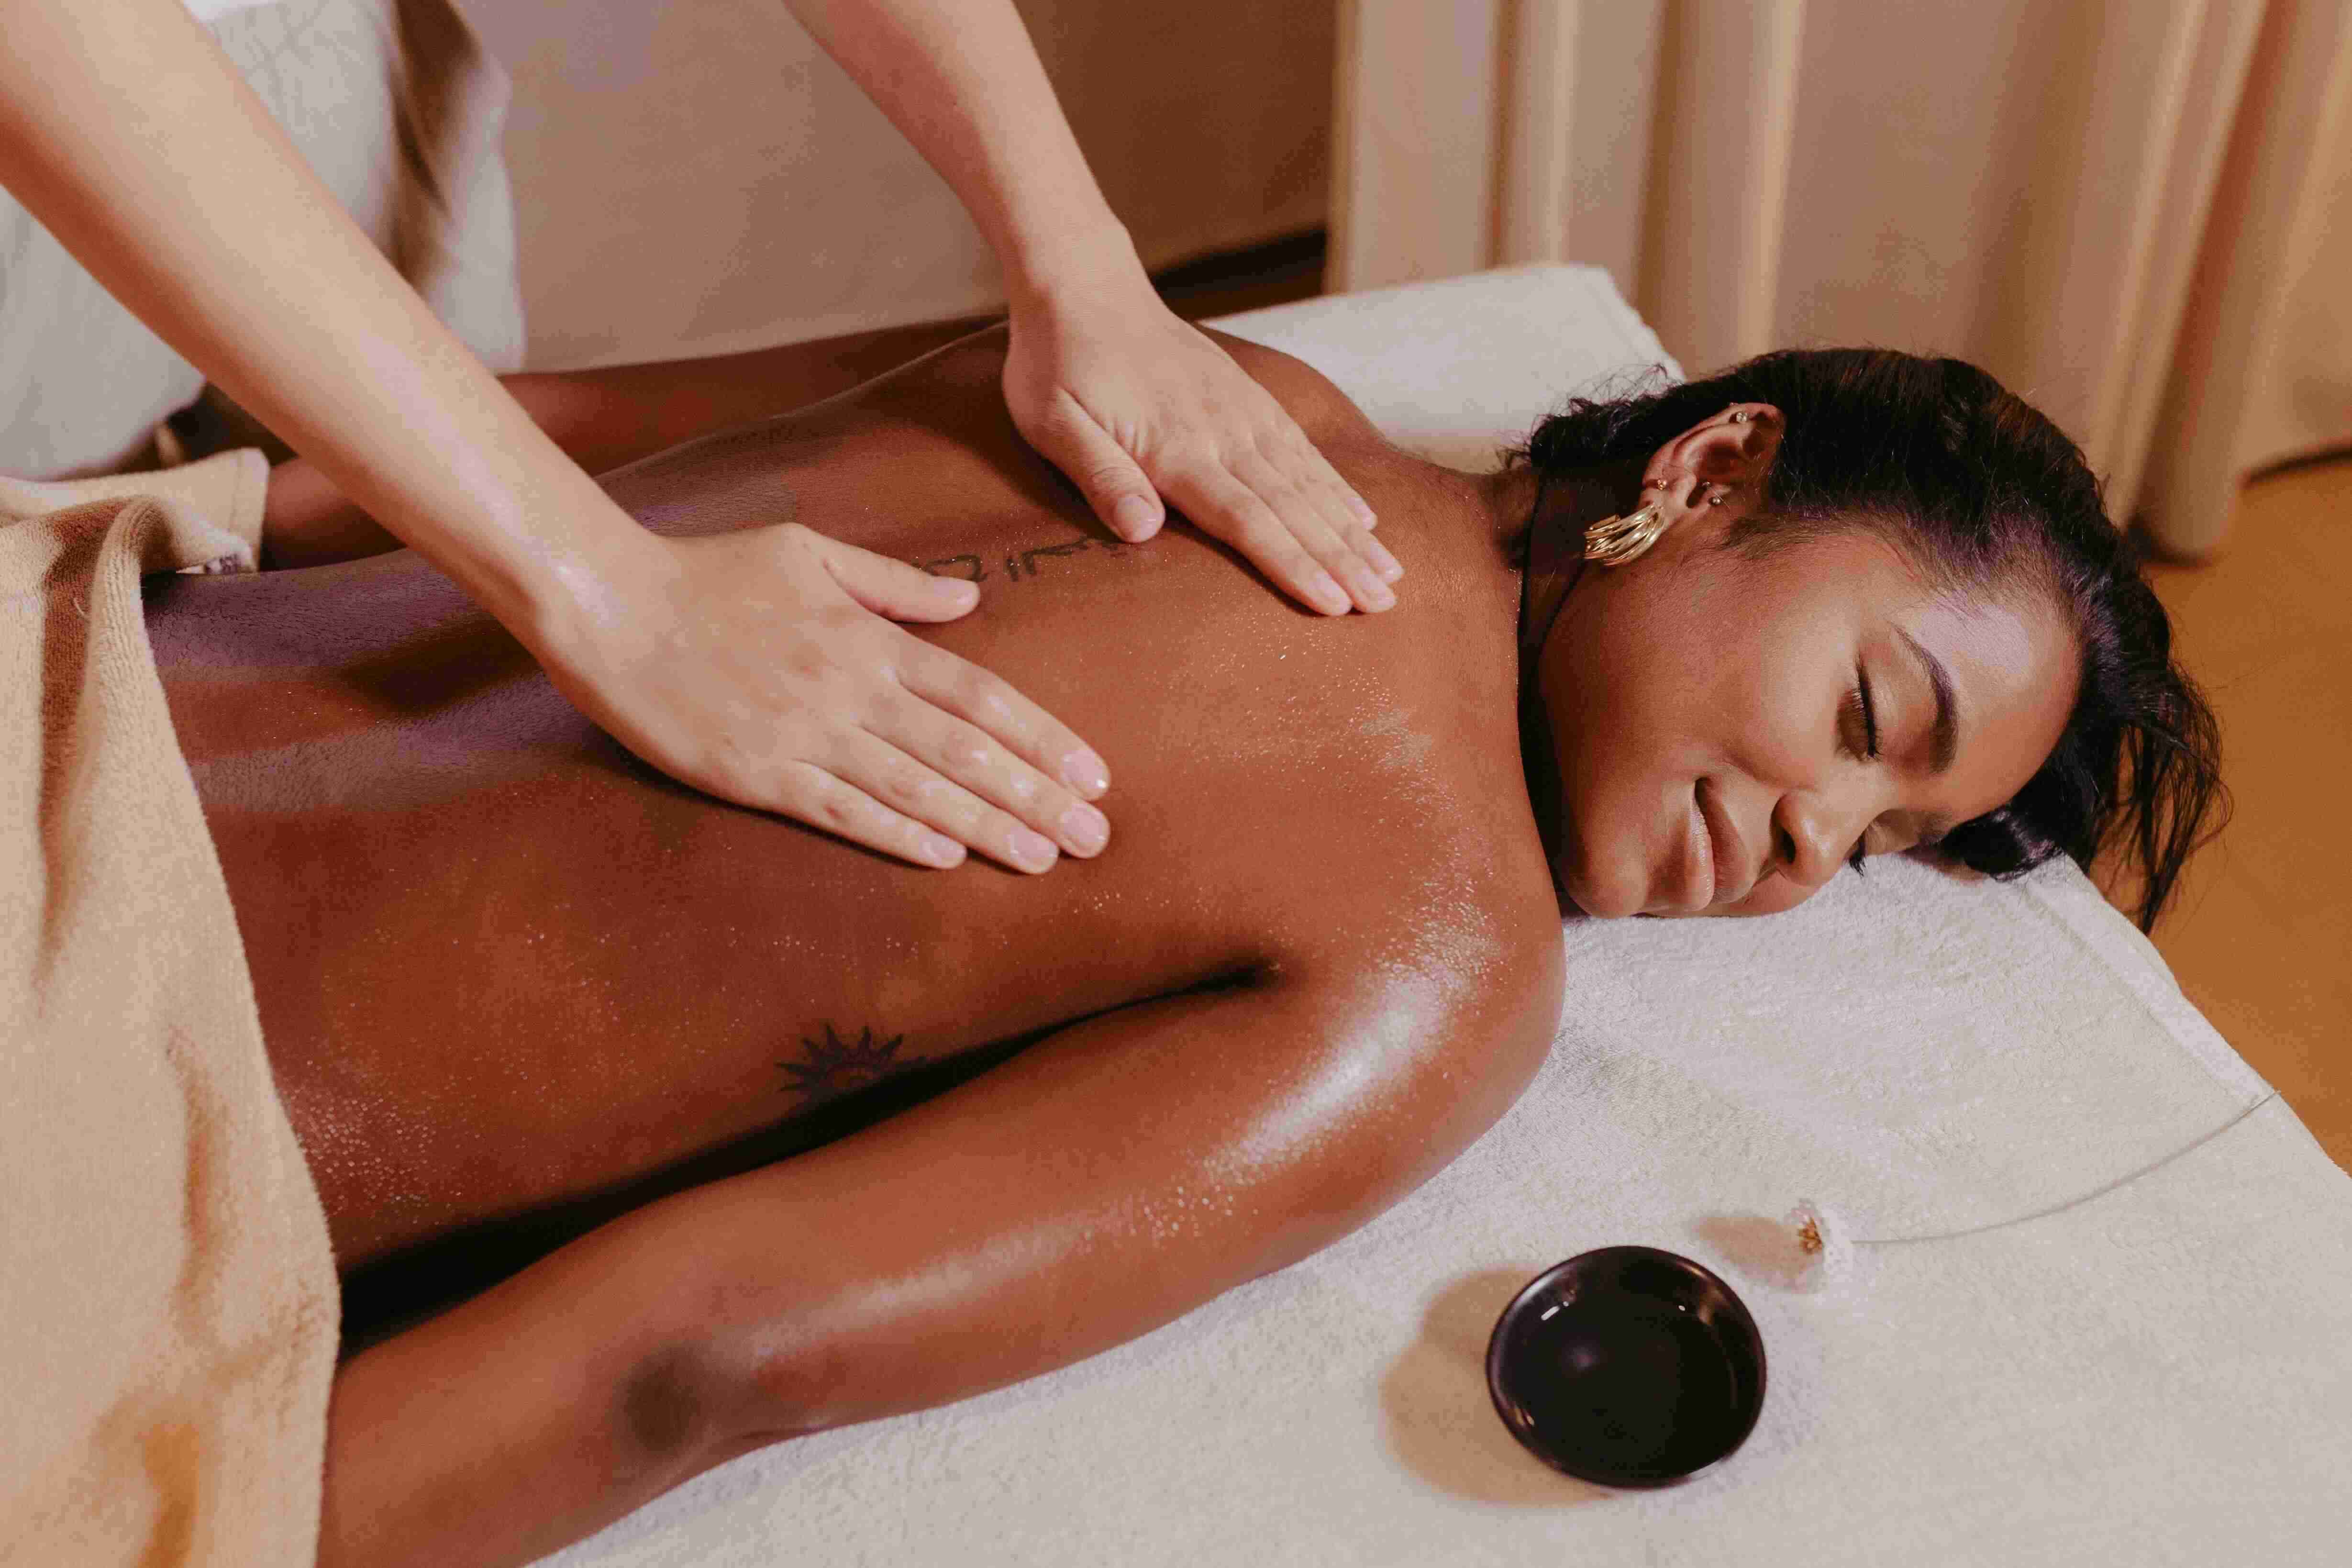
column 1824, row 1244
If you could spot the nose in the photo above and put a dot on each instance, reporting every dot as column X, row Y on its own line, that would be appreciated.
column 1808, row 845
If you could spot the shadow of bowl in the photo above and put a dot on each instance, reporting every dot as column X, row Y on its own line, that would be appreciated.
column 1440, row 1421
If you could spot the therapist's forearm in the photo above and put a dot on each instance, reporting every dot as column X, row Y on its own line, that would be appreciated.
column 962, row 80
column 602, row 418
column 125, row 130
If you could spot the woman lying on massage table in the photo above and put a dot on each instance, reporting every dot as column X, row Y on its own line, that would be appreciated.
column 506, row 973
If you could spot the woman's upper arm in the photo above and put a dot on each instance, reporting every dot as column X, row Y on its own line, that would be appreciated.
column 1105, row 1181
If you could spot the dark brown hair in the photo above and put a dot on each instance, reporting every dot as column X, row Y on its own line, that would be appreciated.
column 1980, row 487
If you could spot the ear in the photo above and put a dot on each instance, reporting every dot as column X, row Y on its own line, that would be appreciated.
column 1729, row 452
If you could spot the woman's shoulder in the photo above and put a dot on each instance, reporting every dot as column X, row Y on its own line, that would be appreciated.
column 1328, row 415
column 1412, row 867
column 1447, row 957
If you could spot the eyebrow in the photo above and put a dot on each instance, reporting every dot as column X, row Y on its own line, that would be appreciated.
column 1947, row 736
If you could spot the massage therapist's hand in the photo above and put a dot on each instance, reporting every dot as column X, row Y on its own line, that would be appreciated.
column 1136, row 405
column 758, row 666
column 1137, row 408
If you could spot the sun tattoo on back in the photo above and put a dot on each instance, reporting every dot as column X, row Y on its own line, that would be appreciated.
column 835, row 1063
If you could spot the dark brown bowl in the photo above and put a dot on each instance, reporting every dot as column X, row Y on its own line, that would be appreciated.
column 1627, row 1367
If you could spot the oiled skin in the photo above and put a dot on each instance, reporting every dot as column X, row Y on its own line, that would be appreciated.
column 499, row 964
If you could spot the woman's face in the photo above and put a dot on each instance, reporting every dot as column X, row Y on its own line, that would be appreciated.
column 1716, row 717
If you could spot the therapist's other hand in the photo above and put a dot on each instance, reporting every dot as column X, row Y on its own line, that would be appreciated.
column 758, row 666
column 1135, row 404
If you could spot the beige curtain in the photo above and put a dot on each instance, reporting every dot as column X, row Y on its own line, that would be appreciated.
column 2121, row 207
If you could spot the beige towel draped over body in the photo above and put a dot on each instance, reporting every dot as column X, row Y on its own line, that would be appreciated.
column 167, row 1286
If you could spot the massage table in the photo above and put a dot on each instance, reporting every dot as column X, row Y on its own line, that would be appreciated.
column 2087, row 1296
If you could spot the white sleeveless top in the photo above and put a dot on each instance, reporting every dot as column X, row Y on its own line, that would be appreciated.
column 82, row 383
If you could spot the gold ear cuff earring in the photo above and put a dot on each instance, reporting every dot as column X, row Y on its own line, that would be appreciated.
column 1614, row 541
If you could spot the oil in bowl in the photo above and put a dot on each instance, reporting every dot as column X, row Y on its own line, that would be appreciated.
column 1628, row 1366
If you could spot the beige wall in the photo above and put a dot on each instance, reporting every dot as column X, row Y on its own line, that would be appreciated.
column 696, row 178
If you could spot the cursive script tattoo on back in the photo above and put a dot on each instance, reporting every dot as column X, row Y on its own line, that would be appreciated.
column 1020, row 565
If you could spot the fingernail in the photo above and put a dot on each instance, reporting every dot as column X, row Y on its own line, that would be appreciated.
column 1377, row 594
column 1082, row 770
column 1390, row 567
column 1033, row 850
column 1363, row 510
column 1085, row 829
column 1329, row 597
column 940, row 849
column 1133, row 514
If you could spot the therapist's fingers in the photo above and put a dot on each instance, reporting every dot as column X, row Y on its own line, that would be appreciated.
column 893, row 588
column 1273, row 497
column 1308, row 471
column 1333, row 498
column 970, row 725
column 1323, row 528
column 957, row 686
column 1109, row 372
column 809, row 793
column 754, row 666
column 907, row 786
column 998, row 791
column 1067, row 437
column 1222, row 507
column 973, row 730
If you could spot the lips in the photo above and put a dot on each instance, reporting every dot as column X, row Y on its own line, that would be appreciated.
column 1732, row 862
column 1698, row 863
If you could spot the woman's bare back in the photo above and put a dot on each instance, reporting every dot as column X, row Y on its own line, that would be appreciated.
column 501, row 965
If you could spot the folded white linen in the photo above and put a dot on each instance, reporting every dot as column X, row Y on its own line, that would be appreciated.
column 2100, row 1287
column 1452, row 370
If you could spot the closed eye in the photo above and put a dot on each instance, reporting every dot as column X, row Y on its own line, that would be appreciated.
column 1858, row 719
column 1859, row 702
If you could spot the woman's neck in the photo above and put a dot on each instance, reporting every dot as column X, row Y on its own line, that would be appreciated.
column 1571, row 502
column 1538, row 526
column 1578, row 496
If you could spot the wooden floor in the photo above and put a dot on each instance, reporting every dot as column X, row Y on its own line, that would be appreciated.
column 2262, row 937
